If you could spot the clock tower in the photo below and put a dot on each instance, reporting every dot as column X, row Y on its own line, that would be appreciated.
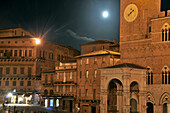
column 135, row 27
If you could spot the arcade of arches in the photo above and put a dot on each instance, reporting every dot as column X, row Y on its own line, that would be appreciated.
column 124, row 90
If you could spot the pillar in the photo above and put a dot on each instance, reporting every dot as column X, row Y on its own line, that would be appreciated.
column 142, row 102
column 103, row 103
column 119, row 101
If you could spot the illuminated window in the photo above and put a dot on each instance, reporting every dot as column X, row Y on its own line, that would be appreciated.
column 87, row 61
column 81, row 62
column 87, row 74
column 57, row 103
column 95, row 73
column 64, row 79
column 95, row 60
column 103, row 59
column 71, row 75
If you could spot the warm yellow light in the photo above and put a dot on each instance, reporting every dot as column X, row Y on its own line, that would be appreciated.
column 10, row 95
column 37, row 41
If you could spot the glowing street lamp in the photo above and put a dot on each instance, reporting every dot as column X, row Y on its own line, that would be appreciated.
column 9, row 95
column 37, row 41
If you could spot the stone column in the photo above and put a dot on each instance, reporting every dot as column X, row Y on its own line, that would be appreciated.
column 103, row 99
column 119, row 101
column 142, row 102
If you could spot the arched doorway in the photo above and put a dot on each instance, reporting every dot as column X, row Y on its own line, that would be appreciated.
column 134, row 95
column 133, row 104
column 114, row 96
column 165, row 109
column 150, row 108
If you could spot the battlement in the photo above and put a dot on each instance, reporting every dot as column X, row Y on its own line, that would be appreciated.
column 163, row 13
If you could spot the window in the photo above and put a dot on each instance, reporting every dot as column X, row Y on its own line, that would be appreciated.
column 87, row 74
column 103, row 59
column 149, row 29
column 23, row 41
column 2, row 42
column 45, row 92
column 29, row 71
column 71, row 88
column 87, row 61
column 21, row 83
column 102, row 47
column 14, row 83
column 1, row 71
column 7, row 70
column 51, row 78
column 64, row 80
column 51, row 92
column 57, row 75
column 15, row 52
column 95, row 73
column 25, row 52
column 166, row 32
column 9, row 42
column 20, row 52
column 6, row 83
column 57, row 88
column 40, row 53
column 80, row 74
column 71, row 75
column 86, row 92
column 30, row 53
column 64, row 89
column 14, row 70
column 22, row 70
column 16, row 42
column 81, row 62
column 28, row 83
column 10, row 52
column 165, row 75
column 95, row 60
column 149, row 76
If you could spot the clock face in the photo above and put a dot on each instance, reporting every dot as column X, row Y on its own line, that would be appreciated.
column 131, row 12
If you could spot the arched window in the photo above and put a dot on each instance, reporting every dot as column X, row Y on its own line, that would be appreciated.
column 165, row 75
column 51, row 92
column 149, row 76
column 45, row 92
column 166, row 32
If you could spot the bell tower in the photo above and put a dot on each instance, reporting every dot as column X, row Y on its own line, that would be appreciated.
column 135, row 25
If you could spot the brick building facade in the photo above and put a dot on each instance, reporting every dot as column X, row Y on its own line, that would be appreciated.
column 23, row 57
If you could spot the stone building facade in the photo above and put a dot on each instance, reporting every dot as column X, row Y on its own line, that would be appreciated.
column 88, row 75
column 59, row 87
column 144, row 41
column 22, row 59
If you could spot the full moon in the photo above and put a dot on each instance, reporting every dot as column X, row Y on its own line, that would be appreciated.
column 105, row 14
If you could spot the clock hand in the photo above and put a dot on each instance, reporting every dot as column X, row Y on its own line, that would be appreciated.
column 130, row 12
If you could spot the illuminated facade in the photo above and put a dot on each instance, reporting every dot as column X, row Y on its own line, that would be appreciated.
column 23, row 57
column 140, row 83
column 59, row 87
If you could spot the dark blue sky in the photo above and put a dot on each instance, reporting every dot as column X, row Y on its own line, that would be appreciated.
column 68, row 22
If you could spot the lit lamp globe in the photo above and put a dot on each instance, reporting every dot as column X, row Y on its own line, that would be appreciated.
column 9, row 94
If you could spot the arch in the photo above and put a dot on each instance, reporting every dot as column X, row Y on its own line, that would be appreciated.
column 150, row 98
column 150, row 107
column 134, row 87
column 113, row 79
column 165, row 98
column 133, row 106
column 45, row 92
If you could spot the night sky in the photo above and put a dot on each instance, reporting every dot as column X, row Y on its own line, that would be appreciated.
column 68, row 22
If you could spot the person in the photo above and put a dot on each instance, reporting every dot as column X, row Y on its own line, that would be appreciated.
column 3, row 105
column 9, row 109
column 14, row 109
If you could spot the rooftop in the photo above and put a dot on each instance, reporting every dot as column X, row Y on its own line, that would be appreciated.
column 130, row 65
column 99, row 42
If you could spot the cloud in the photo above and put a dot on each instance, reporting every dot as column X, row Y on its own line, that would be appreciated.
column 74, row 35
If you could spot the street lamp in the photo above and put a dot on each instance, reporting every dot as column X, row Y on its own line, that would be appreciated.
column 37, row 41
